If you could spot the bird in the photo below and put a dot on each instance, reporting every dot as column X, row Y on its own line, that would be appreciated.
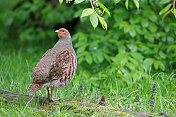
column 102, row 101
column 57, row 66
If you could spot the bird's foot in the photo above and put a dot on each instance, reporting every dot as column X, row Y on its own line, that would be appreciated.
column 53, row 100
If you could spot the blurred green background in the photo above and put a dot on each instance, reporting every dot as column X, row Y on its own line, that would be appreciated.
column 137, row 44
column 135, row 40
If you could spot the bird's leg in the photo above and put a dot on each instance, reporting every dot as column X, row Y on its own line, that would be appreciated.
column 52, row 94
column 51, row 99
column 48, row 93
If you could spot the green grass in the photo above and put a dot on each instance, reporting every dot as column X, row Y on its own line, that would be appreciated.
column 16, row 69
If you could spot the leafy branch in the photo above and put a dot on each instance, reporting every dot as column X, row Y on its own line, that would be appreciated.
column 96, row 13
column 170, row 8
column 98, row 9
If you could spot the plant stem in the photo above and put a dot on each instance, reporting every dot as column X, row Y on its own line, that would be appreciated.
column 91, row 4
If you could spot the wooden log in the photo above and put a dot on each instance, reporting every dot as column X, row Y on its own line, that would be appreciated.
column 18, row 98
column 39, row 100
column 10, row 97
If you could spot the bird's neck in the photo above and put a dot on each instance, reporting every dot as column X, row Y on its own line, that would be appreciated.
column 66, row 41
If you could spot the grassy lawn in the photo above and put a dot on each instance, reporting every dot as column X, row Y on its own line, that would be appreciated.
column 16, row 69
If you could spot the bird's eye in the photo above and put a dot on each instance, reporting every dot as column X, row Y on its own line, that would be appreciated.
column 63, row 31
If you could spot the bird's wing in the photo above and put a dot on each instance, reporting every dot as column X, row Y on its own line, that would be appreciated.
column 41, row 71
column 60, row 65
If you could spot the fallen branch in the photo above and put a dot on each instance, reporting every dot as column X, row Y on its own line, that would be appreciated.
column 75, row 106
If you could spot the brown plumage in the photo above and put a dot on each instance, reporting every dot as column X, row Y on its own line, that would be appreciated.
column 57, row 66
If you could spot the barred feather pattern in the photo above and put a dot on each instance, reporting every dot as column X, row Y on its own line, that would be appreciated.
column 63, row 70
column 56, row 69
column 35, row 87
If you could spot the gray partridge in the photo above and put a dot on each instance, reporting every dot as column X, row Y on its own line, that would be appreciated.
column 57, row 66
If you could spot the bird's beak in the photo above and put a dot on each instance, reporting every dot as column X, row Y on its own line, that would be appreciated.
column 56, row 30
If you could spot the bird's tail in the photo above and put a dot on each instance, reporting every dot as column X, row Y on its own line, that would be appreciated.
column 34, row 87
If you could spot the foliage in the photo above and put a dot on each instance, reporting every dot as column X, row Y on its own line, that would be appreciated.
column 95, row 11
column 170, row 8
column 121, row 92
column 33, row 21
column 120, row 62
column 136, row 42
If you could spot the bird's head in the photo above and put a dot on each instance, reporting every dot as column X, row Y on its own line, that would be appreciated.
column 63, row 33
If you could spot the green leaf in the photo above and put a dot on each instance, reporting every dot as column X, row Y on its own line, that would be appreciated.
column 119, row 57
column 95, row 57
column 165, row 15
column 126, row 4
column 136, row 2
column 100, row 57
column 175, row 13
column 126, row 28
column 144, row 23
column 116, row 1
column 132, row 32
column 156, row 65
column 94, row 20
column 164, row 1
column 60, row 1
column 165, row 9
column 104, row 8
column 148, row 63
column 87, row 12
column 134, row 61
column 124, row 61
column 107, row 58
column 162, row 55
column 89, row 59
column 161, row 65
column 153, row 27
column 171, row 47
column 8, row 20
column 80, row 60
column 103, row 23
column 81, row 49
column 78, row 1
column 137, row 56
column 131, row 66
